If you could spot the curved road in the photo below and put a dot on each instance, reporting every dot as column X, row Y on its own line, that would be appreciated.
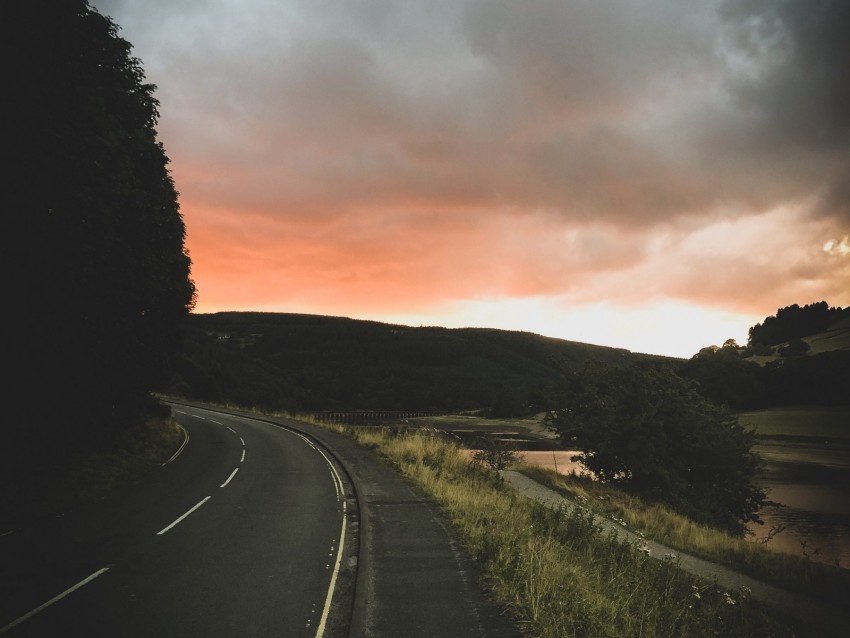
column 244, row 533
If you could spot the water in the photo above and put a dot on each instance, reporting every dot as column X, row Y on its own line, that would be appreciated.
column 811, row 480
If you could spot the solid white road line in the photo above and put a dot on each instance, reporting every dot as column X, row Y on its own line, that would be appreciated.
column 232, row 474
column 165, row 529
column 182, row 445
column 70, row 590
column 320, row 630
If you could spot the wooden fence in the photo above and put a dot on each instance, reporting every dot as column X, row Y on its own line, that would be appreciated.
column 369, row 417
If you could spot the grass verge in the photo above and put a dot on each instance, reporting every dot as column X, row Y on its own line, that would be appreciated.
column 658, row 523
column 557, row 572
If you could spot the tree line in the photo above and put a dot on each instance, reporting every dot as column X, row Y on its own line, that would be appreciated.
column 794, row 322
column 100, row 283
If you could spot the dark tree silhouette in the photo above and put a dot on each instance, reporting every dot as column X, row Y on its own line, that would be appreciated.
column 100, row 279
column 793, row 322
column 722, row 376
column 647, row 430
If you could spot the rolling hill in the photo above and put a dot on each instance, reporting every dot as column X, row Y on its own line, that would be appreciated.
column 283, row 361
column 308, row 363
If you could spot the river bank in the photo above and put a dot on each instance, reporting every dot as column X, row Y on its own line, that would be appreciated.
column 806, row 451
column 809, row 484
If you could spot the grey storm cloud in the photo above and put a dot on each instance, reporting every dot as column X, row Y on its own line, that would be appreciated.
column 801, row 99
column 632, row 112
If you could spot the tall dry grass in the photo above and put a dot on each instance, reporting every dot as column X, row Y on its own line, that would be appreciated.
column 661, row 524
column 557, row 571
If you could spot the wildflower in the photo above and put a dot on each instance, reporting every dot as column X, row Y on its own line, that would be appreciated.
column 696, row 593
column 746, row 592
column 728, row 599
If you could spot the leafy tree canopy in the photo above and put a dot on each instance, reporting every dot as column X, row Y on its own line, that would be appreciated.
column 724, row 377
column 100, row 280
column 647, row 430
column 793, row 322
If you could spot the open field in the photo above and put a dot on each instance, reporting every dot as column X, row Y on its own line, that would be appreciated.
column 803, row 421
column 838, row 338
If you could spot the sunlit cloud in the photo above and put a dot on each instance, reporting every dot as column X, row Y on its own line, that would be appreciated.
column 839, row 247
column 549, row 166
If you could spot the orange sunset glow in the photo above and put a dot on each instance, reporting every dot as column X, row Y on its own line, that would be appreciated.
column 657, row 176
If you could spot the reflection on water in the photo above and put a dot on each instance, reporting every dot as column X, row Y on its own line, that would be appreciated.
column 556, row 460
column 812, row 481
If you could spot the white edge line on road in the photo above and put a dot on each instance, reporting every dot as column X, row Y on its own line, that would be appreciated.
column 337, row 481
column 182, row 445
column 70, row 590
column 232, row 474
column 230, row 428
column 320, row 630
column 243, row 455
column 243, row 441
column 165, row 529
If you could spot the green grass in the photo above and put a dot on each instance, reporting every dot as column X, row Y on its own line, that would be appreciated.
column 806, row 421
column 837, row 338
column 557, row 573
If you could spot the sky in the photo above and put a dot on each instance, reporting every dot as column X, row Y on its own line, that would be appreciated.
column 652, row 175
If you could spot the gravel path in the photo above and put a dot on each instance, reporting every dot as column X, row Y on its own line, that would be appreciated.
column 825, row 618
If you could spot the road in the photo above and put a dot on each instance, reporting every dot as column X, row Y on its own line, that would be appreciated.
column 245, row 533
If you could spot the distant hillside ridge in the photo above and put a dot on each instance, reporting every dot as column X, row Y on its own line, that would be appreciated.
column 795, row 322
column 299, row 362
column 810, row 367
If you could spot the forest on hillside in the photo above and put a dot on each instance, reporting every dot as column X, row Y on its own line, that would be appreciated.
column 282, row 361
column 294, row 362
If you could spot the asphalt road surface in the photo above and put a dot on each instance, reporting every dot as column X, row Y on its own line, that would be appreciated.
column 244, row 533
column 257, row 527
